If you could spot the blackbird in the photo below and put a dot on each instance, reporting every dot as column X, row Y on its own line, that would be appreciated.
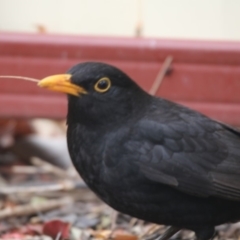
column 149, row 157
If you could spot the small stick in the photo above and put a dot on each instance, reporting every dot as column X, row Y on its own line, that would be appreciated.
column 29, row 209
column 61, row 186
column 114, row 215
column 153, row 229
column 29, row 170
column 20, row 77
column 132, row 222
column 50, row 167
column 168, row 233
column 157, row 82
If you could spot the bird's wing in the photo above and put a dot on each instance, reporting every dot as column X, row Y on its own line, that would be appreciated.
column 190, row 152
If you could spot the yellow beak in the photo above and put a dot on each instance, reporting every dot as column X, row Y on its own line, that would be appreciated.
column 61, row 83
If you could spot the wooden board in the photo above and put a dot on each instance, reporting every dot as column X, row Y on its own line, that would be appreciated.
column 205, row 76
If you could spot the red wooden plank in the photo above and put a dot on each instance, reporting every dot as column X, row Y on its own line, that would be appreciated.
column 189, row 82
column 103, row 48
column 206, row 75
column 223, row 112
column 30, row 106
column 203, row 83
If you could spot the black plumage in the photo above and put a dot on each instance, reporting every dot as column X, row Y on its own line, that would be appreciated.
column 151, row 158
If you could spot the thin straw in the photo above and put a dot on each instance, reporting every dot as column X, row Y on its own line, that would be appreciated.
column 20, row 77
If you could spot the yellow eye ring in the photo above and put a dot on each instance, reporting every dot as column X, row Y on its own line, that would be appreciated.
column 102, row 85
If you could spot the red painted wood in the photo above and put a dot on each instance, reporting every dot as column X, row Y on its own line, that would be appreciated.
column 29, row 106
column 103, row 48
column 206, row 75
column 188, row 82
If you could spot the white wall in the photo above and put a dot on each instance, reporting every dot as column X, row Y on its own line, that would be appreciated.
column 197, row 19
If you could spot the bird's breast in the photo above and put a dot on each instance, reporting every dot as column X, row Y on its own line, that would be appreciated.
column 102, row 161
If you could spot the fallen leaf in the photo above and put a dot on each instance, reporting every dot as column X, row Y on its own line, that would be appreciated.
column 54, row 228
column 115, row 235
column 14, row 235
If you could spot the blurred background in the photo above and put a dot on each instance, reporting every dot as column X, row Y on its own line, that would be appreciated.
column 185, row 19
column 187, row 51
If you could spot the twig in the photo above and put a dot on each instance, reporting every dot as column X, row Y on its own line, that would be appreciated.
column 49, row 167
column 164, row 69
column 58, row 236
column 64, row 185
column 169, row 233
column 152, row 230
column 29, row 170
column 114, row 215
column 132, row 222
column 29, row 209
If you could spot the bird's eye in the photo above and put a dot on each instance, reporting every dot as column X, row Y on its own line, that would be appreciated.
column 102, row 85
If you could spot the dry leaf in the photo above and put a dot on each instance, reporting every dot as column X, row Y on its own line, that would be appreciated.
column 54, row 228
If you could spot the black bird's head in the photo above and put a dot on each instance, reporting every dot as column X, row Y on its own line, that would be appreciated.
column 97, row 93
